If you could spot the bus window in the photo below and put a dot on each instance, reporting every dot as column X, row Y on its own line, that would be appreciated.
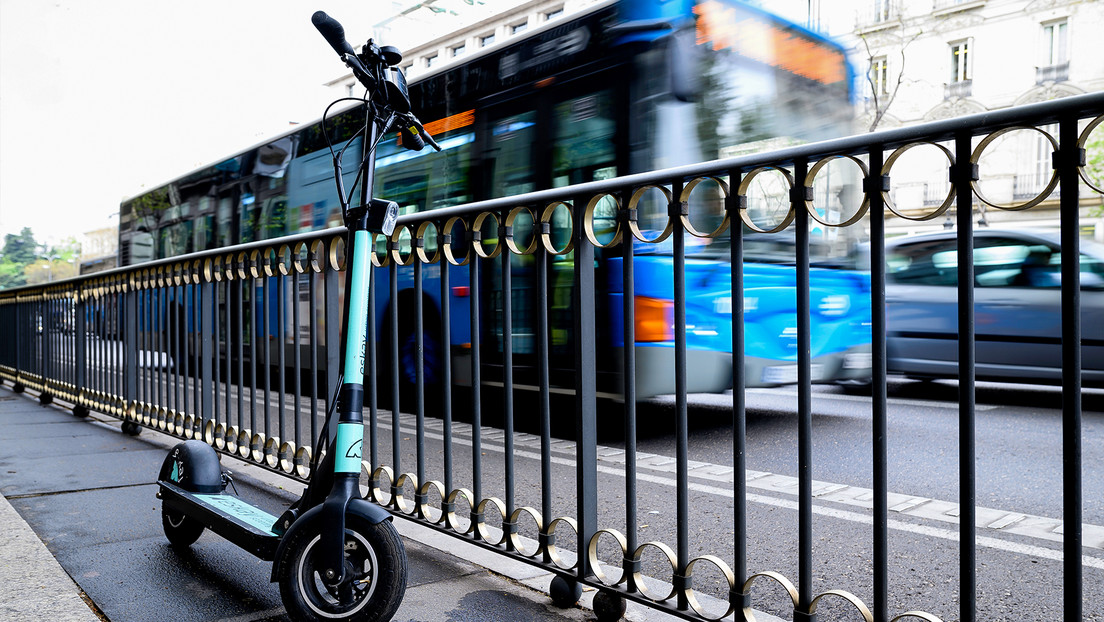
column 584, row 141
column 511, row 154
column 421, row 180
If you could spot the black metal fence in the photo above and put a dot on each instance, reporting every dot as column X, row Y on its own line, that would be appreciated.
column 233, row 347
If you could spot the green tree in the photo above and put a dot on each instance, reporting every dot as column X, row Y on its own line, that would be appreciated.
column 21, row 249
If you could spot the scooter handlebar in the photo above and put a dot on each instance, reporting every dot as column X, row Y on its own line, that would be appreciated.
column 333, row 32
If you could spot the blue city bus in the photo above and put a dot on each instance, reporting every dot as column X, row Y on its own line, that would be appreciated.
column 621, row 87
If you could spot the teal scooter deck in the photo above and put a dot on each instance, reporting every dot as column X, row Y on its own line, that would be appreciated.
column 228, row 516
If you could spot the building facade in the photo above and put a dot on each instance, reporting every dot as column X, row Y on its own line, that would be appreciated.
column 925, row 61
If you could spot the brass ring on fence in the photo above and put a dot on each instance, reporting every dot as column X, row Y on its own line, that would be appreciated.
column 511, row 219
column 888, row 166
column 638, row 576
column 219, row 437
column 287, row 457
column 257, row 447
column 214, row 269
column 228, row 267
column 255, row 267
column 849, row 597
column 481, row 524
column 975, row 158
column 451, row 519
column 691, row 597
column 423, row 508
column 776, row 577
column 550, row 532
column 396, row 251
column 1082, row 143
column 303, row 462
column 245, row 443
column 339, row 252
column 921, row 615
column 477, row 225
column 376, row 490
column 242, row 264
column 634, row 225
column 268, row 261
column 209, row 432
column 188, row 428
column 365, row 469
column 684, row 199
column 420, row 234
column 546, row 229
column 588, row 221
column 298, row 254
column 515, row 536
column 745, row 184
column 272, row 451
column 165, row 419
column 381, row 259
column 232, row 440
column 177, row 271
column 596, row 564
column 197, row 271
column 811, row 177
column 398, row 499
column 317, row 255
column 283, row 260
column 446, row 247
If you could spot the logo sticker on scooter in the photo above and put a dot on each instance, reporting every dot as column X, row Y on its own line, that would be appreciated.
column 356, row 450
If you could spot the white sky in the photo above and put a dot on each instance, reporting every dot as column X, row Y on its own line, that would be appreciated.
column 102, row 100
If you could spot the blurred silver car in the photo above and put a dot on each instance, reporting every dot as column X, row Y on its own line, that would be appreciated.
column 1017, row 305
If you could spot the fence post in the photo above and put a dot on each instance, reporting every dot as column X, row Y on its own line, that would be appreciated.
column 80, row 338
column 205, row 329
column 130, row 347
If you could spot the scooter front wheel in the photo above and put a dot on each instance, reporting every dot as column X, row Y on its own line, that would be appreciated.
column 375, row 565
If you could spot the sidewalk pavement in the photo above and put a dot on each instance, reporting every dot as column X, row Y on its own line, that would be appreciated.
column 81, row 539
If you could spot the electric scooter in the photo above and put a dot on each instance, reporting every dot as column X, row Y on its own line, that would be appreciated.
column 335, row 555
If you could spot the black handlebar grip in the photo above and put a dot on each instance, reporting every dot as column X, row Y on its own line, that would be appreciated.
column 411, row 139
column 333, row 33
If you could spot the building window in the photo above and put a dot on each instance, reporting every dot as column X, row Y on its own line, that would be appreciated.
column 486, row 40
column 459, row 50
column 553, row 14
column 879, row 76
column 431, row 60
column 961, row 61
column 1055, row 42
column 882, row 11
column 350, row 89
column 517, row 29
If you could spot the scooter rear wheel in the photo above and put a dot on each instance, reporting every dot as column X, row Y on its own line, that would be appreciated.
column 374, row 560
column 181, row 530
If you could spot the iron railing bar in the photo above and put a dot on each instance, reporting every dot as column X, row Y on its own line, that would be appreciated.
column 446, row 362
column 266, row 342
column 586, row 455
column 804, row 397
column 1068, row 159
column 742, row 600
column 628, row 338
column 419, row 378
column 507, row 377
column 476, row 380
column 879, row 396
column 967, row 456
column 296, row 356
column 544, row 382
column 372, row 362
column 207, row 321
column 396, row 371
column 682, row 427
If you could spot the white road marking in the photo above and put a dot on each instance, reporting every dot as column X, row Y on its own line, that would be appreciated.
column 1043, row 528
